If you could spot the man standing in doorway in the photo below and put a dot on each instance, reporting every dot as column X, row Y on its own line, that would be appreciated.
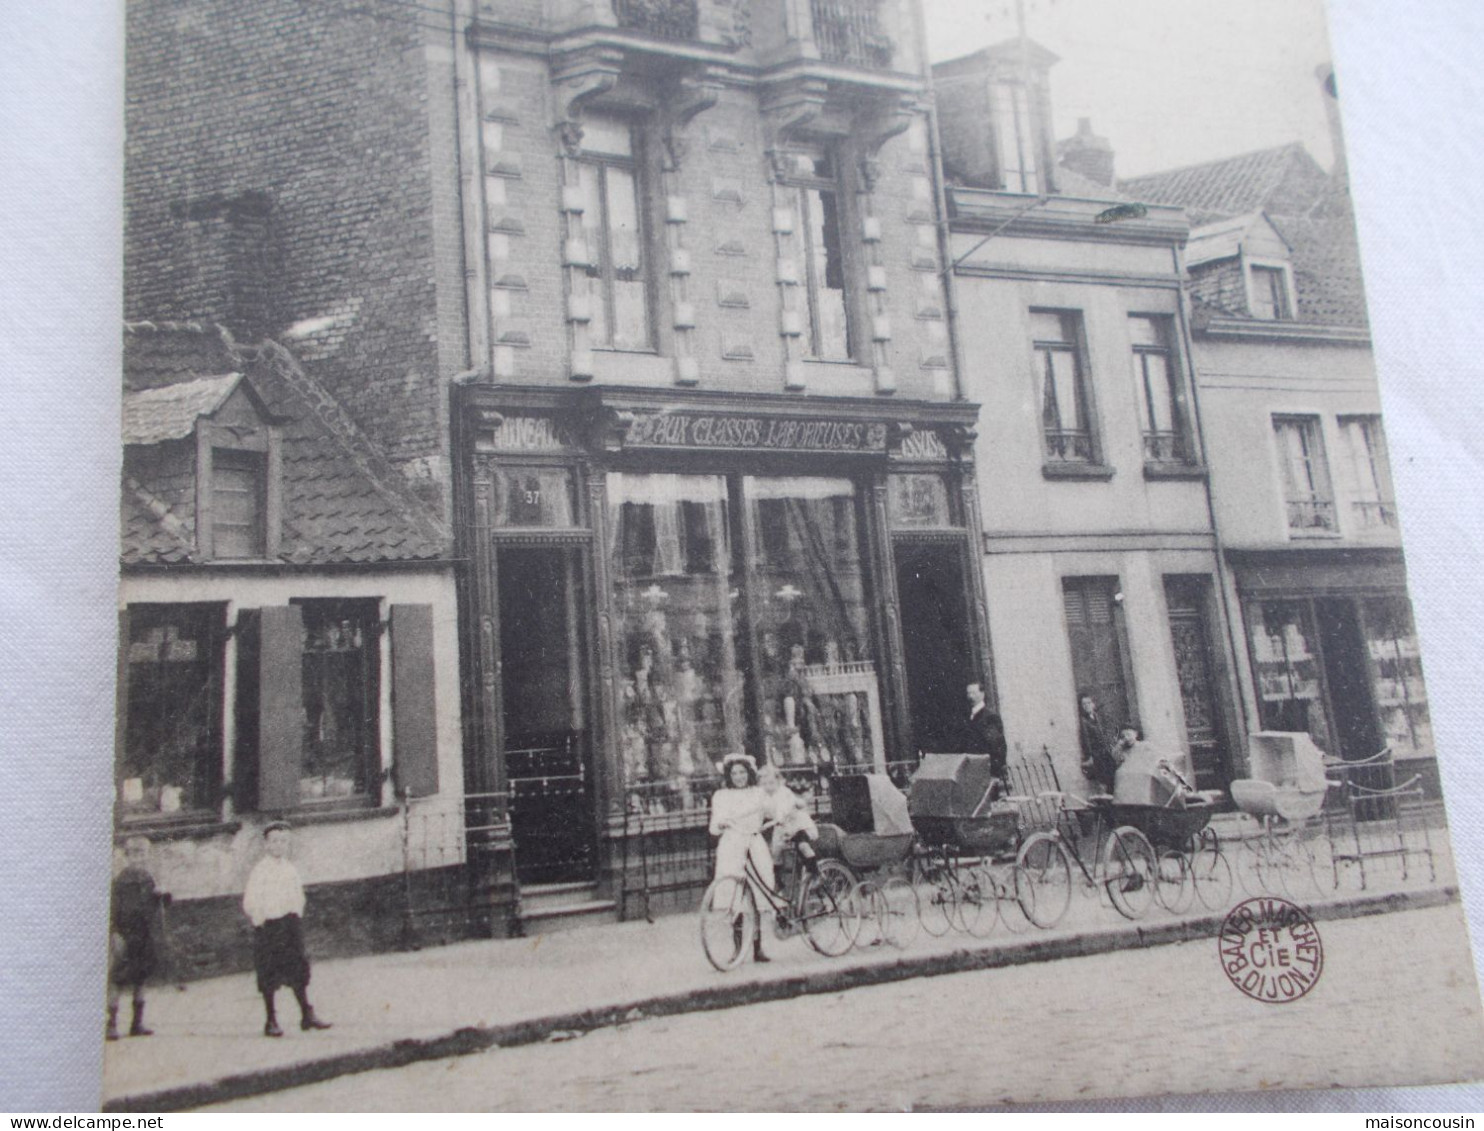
column 985, row 733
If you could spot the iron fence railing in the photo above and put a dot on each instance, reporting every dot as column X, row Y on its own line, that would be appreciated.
column 849, row 31
column 1311, row 514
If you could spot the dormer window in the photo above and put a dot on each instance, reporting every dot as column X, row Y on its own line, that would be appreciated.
column 239, row 489
column 1268, row 292
column 1016, row 139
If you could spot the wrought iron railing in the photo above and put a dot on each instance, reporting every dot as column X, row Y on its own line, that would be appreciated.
column 1375, row 513
column 1165, row 447
column 667, row 19
column 1068, row 445
column 849, row 31
column 1311, row 514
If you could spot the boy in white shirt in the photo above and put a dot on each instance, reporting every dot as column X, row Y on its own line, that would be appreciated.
column 274, row 901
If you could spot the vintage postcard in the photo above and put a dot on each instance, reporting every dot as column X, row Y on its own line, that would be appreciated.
column 759, row 554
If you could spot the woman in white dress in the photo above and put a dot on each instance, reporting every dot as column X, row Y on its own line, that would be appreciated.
column 738, row 811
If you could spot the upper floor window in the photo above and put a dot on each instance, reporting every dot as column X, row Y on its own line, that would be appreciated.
column 1307, row 492
column 1268, row 291
column 1167, row 437
column 1066, row 414
column 239, row 490
column 610, row 182
column 818, row 245
column 1373, row 502
column 1017, row 142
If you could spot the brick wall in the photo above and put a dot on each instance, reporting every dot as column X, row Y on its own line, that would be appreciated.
column 325, row 111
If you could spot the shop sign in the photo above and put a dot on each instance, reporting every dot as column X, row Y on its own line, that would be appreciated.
column 924, row 445
column 767, row 433
column 526, row 434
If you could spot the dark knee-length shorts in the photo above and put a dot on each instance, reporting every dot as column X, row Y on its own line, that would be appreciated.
column 278, row 954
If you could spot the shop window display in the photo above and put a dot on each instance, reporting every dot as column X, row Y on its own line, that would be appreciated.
column 699, row 626
column 1396, row 661
column 1286, row 662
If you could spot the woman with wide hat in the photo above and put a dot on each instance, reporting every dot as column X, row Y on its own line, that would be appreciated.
column 738, row 810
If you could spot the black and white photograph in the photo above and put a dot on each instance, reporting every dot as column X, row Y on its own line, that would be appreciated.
column 704, row 555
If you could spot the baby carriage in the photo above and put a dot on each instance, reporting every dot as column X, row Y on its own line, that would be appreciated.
column 871, row 833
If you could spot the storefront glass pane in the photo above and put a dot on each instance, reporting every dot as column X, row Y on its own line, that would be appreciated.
column 918, row 501
column 1286, row 663
column 1401, row 697
column 817, row 684
column 674, row 593
column 534, row 496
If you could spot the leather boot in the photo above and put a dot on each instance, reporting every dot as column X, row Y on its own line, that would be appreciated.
column 310, row 1021
column 136, row 1026
column 757, row 951
column 112, row 1032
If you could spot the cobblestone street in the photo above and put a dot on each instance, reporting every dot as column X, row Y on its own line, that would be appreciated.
column 1080, row 1028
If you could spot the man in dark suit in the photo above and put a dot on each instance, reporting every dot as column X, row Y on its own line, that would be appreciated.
column 985, row 732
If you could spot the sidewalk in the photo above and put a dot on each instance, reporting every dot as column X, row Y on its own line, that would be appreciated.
column 393, row 1009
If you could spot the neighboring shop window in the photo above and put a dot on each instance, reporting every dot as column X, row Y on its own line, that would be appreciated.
column 918, row 500
column 1401, row 696
column 1066, row 415
column 1099, row 645
column 171, row 761
column 689, row 612
column 613, row 225
column 1286, row 664
column 342, row 696
column 1307, row 493
column 818, row 246
column 534, row 496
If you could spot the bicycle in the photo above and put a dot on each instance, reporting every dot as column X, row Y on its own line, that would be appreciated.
column 1124, row 864
column 966, row 894
column 823, row 906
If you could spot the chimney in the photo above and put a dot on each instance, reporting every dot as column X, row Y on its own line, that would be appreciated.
column 225, row 248
column 1087, row 153
column 1340, row 170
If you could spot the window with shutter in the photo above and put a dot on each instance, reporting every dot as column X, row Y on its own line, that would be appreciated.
column 342, row 700
column 414, row 718
column 1099, row 648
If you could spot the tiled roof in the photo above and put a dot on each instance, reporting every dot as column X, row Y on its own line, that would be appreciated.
column 1283, row 180
column 1326, row 268
column 342, row 501
column 169, row 412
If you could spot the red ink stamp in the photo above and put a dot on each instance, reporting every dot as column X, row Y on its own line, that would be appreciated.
column 1271, row 950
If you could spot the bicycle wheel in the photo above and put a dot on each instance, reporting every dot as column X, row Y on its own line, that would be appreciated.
column 899, row 903
column 728, row 922
column 1210, row 872
column 1047, row 876
column 935, row 900
column 976, row 902
column 1173, row 889
column 831, row 917
column 867, row 896
column 1128, row 871
column 1010, row 885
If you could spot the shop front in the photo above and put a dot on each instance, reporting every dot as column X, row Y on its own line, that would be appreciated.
column 1334, row 652
column 659, row 579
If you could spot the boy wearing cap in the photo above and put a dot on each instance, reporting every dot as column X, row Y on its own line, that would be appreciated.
column 135, row 905
column 274, row 901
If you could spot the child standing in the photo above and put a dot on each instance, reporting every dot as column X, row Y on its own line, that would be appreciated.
column 132, row 935
column 274, row 901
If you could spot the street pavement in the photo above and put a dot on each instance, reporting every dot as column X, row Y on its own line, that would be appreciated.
column 397, row 1008
column 1106, row 1026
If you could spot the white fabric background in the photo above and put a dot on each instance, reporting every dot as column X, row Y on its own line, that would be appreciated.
column 1412, row 99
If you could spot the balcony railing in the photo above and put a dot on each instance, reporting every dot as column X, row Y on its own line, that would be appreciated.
column 1165, row 447
column 1375, row 514
column 1068, row 445
column 666, row 19
column 1309, row 515
column 848, row 31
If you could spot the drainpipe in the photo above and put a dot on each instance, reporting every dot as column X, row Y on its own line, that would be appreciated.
column 1187, row 341
column 940, row 201
column 469, row 152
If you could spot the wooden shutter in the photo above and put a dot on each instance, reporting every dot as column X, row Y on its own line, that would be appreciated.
column 1095, row 634
column 414, row 724
column 273, row 662
column 121, row 698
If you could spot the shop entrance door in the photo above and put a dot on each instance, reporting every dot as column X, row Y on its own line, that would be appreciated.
column 935, row 643
column 1347, row 676
column 1188, row 599
column 544, row 691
